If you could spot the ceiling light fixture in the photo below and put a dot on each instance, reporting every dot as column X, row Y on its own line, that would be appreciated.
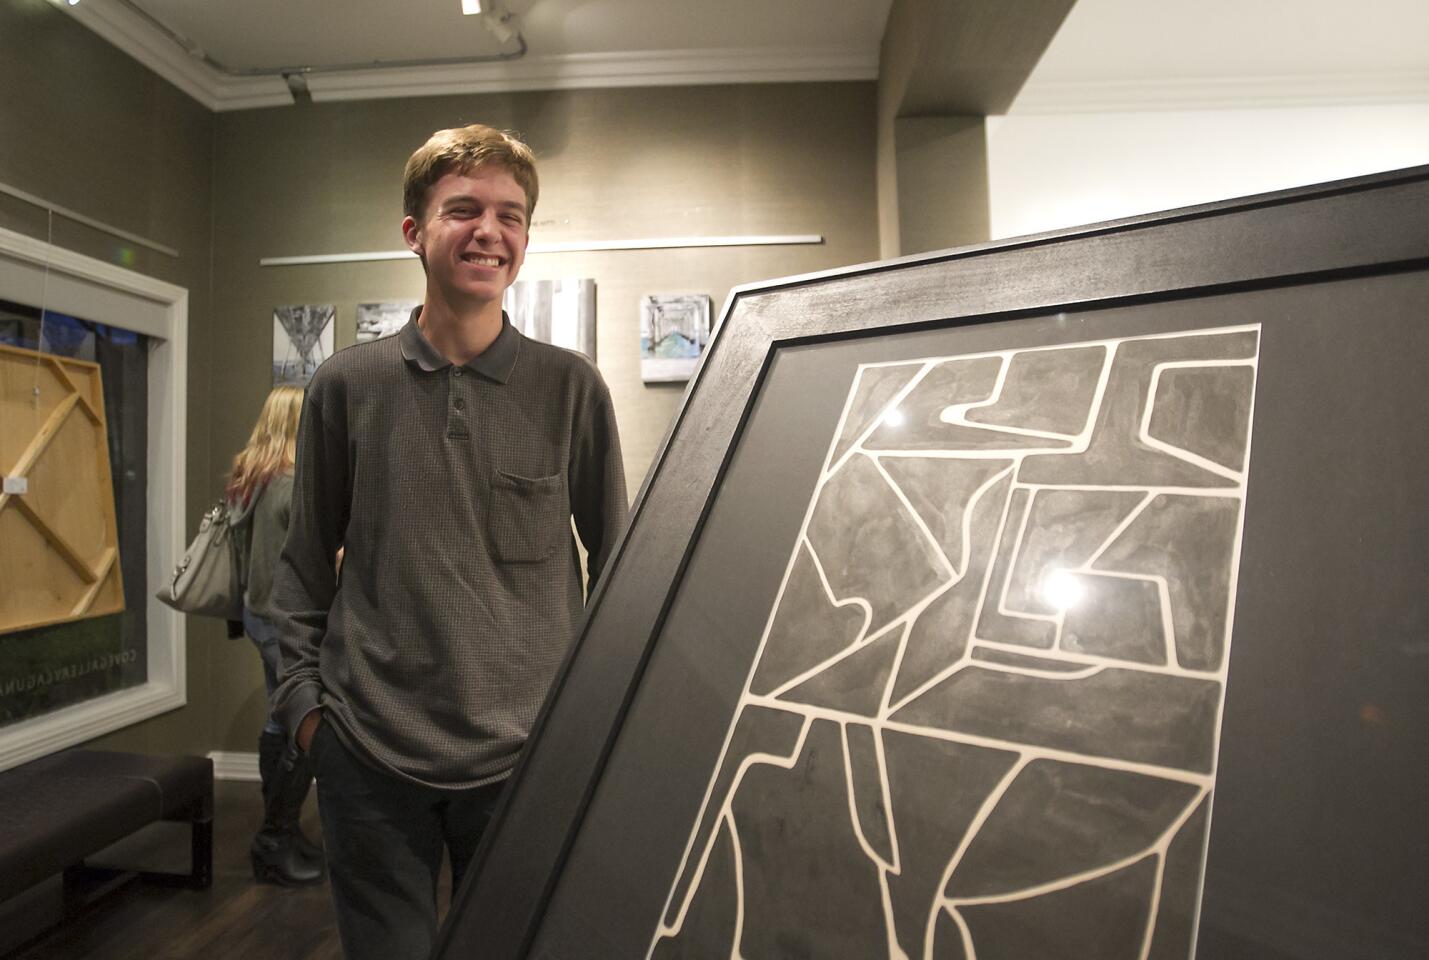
column 498, row 27
column 503, row 29
column 494, row 17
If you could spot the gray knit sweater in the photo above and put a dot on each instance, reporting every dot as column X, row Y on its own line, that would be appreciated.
column 268, row 521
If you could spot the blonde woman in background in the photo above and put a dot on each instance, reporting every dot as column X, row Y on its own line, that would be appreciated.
column 260, row 489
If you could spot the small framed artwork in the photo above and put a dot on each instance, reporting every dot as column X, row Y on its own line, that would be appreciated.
column 377, row 320
column 561, row 312
column 674, row 328
column 302, row 340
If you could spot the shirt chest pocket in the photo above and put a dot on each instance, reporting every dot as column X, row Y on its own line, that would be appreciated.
column 526, row 517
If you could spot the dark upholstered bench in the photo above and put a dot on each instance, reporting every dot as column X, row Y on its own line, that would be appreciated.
column 60, row 809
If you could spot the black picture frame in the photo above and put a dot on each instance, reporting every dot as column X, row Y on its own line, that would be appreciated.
column 1355, row 242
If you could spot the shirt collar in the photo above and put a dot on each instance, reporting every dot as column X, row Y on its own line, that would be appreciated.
column 495, row 362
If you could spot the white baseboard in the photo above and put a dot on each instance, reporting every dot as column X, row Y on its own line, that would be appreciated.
column 230, row 765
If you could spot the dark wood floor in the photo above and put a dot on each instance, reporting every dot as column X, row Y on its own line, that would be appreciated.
column 235, row 918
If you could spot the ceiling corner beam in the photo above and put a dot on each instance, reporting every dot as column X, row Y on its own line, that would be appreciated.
column 963, row 57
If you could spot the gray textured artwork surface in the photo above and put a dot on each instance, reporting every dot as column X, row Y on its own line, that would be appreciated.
column 983, row 719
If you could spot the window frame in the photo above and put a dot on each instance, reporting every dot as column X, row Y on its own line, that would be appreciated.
column 73, row 283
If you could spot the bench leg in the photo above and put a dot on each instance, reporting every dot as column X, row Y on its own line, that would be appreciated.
column 200, row 875
column 201, row 854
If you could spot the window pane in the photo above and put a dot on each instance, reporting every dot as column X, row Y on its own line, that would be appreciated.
column 48, row 668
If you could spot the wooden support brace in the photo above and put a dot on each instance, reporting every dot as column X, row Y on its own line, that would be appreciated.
column 86, row 404
column 66, row 549
column 106, row 564
column 42, row 440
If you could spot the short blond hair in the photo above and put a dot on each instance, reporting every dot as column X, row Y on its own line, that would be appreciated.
column 461, row 149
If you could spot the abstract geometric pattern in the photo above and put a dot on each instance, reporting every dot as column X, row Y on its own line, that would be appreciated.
column 982, row 722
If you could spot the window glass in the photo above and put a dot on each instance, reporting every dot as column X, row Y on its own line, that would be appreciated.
column 47, row 668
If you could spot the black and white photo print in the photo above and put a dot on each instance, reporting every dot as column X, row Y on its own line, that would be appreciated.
column 302, row 340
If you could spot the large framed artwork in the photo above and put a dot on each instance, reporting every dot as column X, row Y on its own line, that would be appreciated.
column 1063, row 597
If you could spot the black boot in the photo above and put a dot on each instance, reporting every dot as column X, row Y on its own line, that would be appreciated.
column 301, row 780
column 275, row 853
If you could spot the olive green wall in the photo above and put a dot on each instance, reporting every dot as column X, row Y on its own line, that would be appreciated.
column 942, row 182
column 944, row 66
column 614, row 164
column 85, row 127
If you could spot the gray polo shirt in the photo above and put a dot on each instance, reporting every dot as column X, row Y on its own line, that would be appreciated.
column 452, row 490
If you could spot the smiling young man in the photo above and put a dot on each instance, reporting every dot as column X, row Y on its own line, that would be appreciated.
column 447, row 462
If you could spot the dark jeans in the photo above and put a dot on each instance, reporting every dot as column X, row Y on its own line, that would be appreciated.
column 265, row 637
column 384, row 839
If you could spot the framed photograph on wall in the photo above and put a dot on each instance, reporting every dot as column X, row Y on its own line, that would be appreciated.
column 555, row 311
column 674, row 328
column 302, row 340
column 1062, row 596
column 376, row 320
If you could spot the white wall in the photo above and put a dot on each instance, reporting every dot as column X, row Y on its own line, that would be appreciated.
column 1058, row 170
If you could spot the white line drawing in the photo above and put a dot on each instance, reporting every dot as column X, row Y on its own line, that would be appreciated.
column 957, row 778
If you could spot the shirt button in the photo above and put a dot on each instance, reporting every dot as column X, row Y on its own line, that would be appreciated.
column 459, row 403
column 456, row 372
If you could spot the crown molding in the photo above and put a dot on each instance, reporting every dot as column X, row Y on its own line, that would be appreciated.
column 663, row 68
column 131, row 33
column 1222, row 93
column 135, row 36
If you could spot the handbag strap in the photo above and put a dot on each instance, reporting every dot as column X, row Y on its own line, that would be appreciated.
column 240, row 537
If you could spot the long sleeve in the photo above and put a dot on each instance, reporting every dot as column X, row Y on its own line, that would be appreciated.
column 268, row 528
column 305, row 583
column 431, row 652
column 597, row 483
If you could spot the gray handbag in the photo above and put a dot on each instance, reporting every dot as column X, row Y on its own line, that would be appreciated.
column 208, row 580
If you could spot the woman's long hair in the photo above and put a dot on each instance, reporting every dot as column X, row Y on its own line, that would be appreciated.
column 271, row 449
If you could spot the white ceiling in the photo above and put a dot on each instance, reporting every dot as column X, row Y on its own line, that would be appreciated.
column 1130, row 39
column 1169, row 54
column 278, row 33
column 570, row 43
column 1109, row 54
